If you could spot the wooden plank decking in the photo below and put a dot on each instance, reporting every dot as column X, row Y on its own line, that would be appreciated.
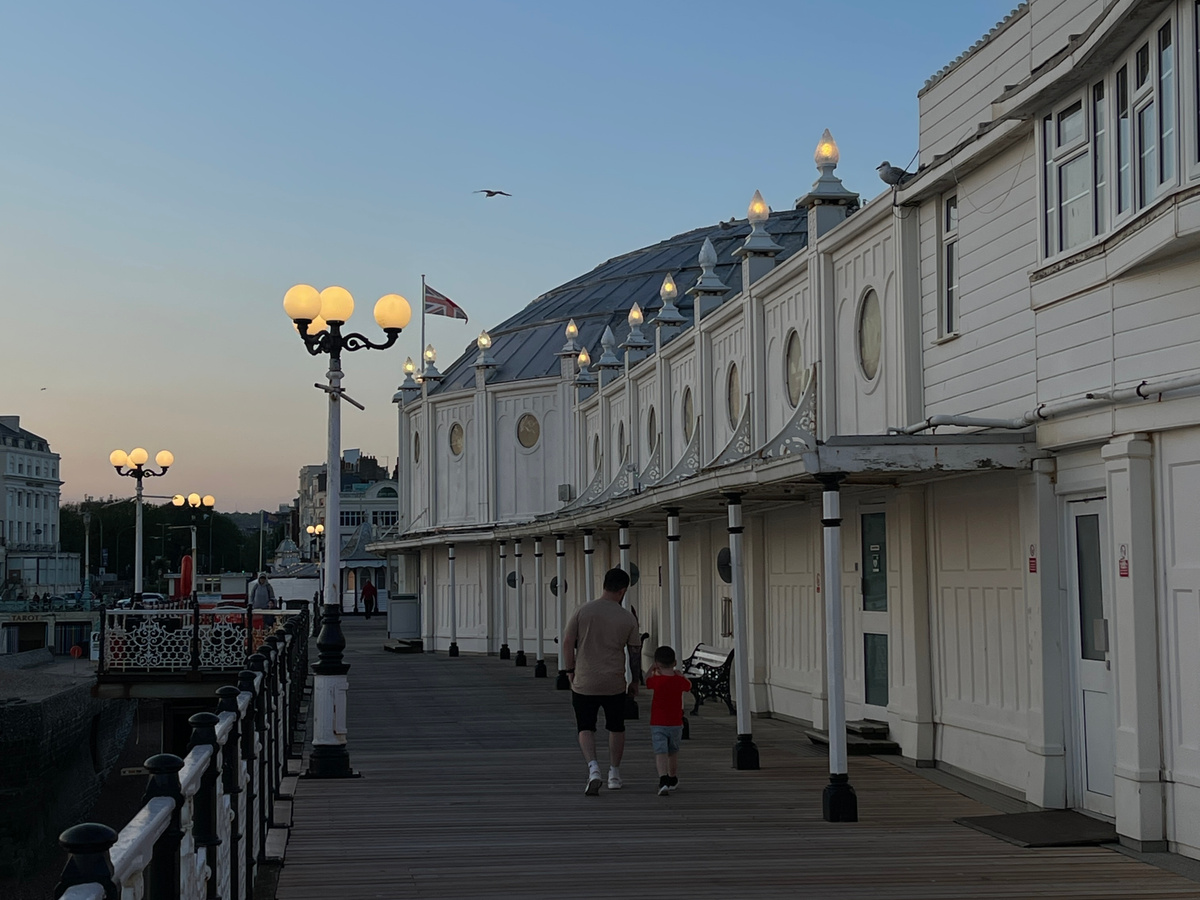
column 473, row 787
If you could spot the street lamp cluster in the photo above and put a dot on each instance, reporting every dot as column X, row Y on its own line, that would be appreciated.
column 133, row 465
column 318, row 317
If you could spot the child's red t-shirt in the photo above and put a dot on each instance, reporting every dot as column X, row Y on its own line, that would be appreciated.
column 666, row 707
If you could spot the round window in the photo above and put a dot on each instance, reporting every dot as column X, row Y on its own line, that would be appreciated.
column 416, row 446
column 528, row 430
column 793, row 369
column 651, row 429
column 733, row 398
column 870, row 334
column 456, row 439
column 688, row 419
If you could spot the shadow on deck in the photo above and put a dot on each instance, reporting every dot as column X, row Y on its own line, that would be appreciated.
column 473, row 787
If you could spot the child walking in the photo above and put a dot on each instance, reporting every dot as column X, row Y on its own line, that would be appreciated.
column 666, row 716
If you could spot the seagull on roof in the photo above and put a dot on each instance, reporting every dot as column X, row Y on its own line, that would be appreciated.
column 893, row 175
column 493, row 193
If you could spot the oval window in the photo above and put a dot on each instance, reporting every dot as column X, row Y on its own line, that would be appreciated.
column 596, row 452
column 688, row 419
column 621, row 439
column 416, row 446
column 870, row 335
column 793, row 368
column 456, row 439
column 528, row 430
column 651, row 429
column 733, row 396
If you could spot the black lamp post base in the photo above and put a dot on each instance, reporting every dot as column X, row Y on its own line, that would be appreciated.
column 453, row 651
column 839, row 803
column 539, row 670
column 745, row 753
column 520, row 659
column 504, row 652
column 631, row 707
column 330, row 762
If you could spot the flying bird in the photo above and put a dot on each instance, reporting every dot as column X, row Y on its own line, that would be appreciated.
column 493, row 193
column 893, row 175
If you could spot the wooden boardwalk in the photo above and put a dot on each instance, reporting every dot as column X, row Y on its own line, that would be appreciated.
column 473, row 787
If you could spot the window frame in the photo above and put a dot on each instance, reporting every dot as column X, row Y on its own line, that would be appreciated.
column 948, row 290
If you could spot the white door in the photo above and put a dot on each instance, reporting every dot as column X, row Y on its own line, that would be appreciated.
column 1090, row 612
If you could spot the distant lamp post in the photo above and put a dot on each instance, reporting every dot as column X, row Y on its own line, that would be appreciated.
column 194, row 501
column 87, row 556
column 316, row 534
column 133, row 465
column 304, row 304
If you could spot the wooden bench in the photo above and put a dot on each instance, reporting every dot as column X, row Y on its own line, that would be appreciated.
column 708, row 669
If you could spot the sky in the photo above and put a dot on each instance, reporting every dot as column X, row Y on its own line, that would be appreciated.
column 169, row 170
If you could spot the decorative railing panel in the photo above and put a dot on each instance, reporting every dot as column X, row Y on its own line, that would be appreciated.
column 180, row 640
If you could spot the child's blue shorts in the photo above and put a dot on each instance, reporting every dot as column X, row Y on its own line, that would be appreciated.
column 665, row 738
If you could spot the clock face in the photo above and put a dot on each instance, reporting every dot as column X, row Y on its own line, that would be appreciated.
column 456, row 439
column 528, row 430
column 794, row 369
column 733, row 399
column 870, row 335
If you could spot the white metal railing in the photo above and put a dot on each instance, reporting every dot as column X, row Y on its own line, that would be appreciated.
column 178, row 640
column 206, row 815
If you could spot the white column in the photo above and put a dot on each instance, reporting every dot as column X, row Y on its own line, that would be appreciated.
column 745, row 753
column 589, row 576
column 453, row 604
column 560, row 559
column 839, row 802
column 674, row 593
column 520, row 589
column 1138, row 789
column 505, row 653
column 539, row 670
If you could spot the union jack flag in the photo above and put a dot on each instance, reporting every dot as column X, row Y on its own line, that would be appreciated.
column 438, row 304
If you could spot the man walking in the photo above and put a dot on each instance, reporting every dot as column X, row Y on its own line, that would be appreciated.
column 595, row 643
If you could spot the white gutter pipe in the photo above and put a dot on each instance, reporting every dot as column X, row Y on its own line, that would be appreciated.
column 1143, row 391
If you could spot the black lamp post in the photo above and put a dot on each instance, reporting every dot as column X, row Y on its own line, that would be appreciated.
column 319, row 317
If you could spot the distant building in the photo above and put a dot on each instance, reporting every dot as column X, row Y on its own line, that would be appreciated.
column 30, row 485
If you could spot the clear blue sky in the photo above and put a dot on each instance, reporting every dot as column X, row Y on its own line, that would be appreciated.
column 168, row 170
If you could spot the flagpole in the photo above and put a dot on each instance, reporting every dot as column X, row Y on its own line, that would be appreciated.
column 422, row 347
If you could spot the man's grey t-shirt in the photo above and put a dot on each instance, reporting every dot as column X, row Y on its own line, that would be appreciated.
column 600, row 631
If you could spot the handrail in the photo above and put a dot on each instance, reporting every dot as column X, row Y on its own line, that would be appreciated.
column 206, row 815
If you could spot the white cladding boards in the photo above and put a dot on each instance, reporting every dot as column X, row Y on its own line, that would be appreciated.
column 527, row 478
column 784, row 313
column 470, row 577
column 866, row 266
column 458, row 487
column 592, row 451
column 795, row 616
column 692, row 592
column 953, row 108
column 1156, row 323
column 1075, row 345
column 980, row 641
column 1178, row 474
column 646, row 390
column 728, row 351
column 419, row 455
column 618, row 431
column 648, row 598
column 989, row 368
column 682, row 379
column 1053, row 21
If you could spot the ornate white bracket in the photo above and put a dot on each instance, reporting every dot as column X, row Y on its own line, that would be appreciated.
column 594, row 489
column 799, row 434
column 653, row 470
column 624, row 482
column 739, row 445
column 689, row 462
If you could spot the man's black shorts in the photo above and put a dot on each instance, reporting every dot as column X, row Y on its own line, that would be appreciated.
column 588, row 705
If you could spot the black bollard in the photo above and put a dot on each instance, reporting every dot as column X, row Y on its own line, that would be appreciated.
column 89, row 863
column 162, row 875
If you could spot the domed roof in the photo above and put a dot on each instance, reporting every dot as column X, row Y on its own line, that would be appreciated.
column 525, row 345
